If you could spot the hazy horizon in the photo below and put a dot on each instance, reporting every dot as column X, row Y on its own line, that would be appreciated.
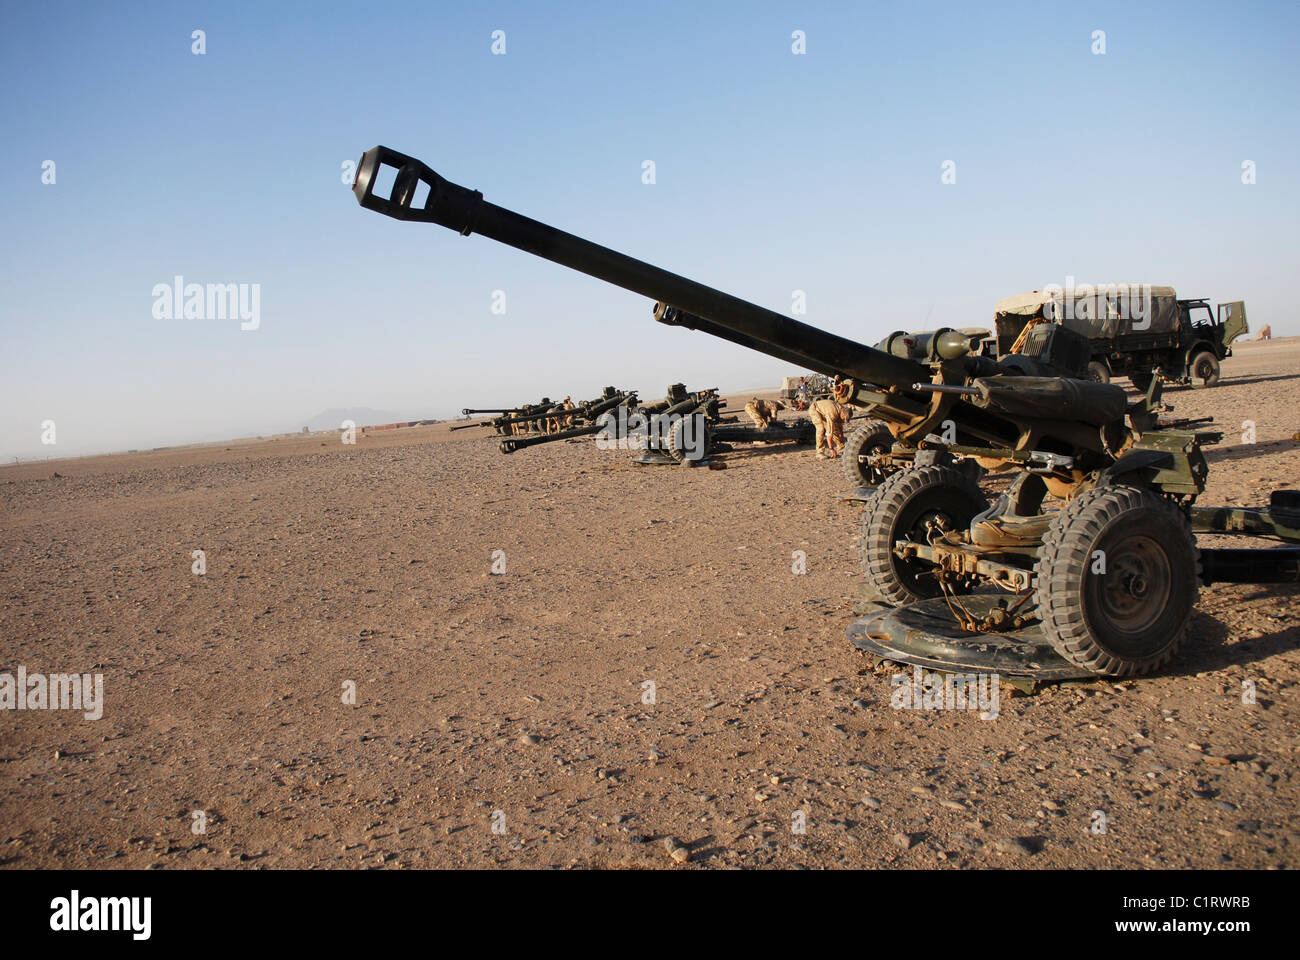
column 251, row 432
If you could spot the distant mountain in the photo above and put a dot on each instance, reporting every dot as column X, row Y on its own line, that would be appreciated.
column 361, row 416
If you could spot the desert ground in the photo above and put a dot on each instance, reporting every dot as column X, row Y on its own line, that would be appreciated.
column 500, row 718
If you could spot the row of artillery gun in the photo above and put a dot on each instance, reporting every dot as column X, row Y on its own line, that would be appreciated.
column 684, row 427
column 547, row 417
column 1089, row 563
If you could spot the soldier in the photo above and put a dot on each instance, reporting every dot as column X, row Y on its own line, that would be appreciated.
column 829, row 417
column 762, row 412
column 1265, row 333
column 556, row 424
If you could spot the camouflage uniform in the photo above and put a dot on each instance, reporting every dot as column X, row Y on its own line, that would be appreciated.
column 763, row 412
column 829, row 418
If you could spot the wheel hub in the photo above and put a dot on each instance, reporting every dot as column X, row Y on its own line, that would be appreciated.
column 1136, row 585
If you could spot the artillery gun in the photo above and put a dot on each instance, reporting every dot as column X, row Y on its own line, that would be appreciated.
column 470, row 412
column 623, row 424
column 510, row 416
column 682, row 434
column 1103, row 584
column 552, row 418
column 591, row 417
column 674, row 429
column 688, row 427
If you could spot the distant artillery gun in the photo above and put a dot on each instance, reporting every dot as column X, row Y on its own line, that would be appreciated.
column 540, row 418
column 1103, row 585
column 689, row 427
column 503, row 423
column 547, row 416
column 670, row 430
column 627, row 425
column 591, row 416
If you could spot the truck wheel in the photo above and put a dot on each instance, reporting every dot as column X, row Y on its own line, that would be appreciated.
column 1204, row 369
column 866, row 439
column 1117, row 581
column 1099, row 371
column 1141, row 380
column 908, row 505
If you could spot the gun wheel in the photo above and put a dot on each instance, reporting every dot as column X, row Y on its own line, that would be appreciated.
column 909, row 505
column 690, row 434
column 1117, row 581
column 1204, row 369
column 866, row 439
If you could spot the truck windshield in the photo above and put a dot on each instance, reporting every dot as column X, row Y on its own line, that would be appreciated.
column 1199, row 314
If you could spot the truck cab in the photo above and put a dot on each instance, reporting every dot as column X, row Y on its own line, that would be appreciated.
column 1205, row 338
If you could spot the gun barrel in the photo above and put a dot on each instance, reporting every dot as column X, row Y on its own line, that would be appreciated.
column 511, row 444
column 594, row 408
column 531, row 417
column 465, row 211
column 673, row 317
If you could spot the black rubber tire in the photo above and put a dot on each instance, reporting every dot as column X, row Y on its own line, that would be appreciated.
column 1144, row 538
column 1204, row 369
column 904, row 500
column 677, row 445
column 1099, row 371
column 870, row 437
column 1141, row 380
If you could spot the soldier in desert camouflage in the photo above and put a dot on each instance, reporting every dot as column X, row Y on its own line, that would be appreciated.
column 763, row 412
column 829, row 418
column 561, row 422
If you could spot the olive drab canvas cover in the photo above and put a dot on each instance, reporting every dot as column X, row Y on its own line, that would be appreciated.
column 1099, row 312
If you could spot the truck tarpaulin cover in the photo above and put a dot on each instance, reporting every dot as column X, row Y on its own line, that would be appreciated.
column 1099, row 313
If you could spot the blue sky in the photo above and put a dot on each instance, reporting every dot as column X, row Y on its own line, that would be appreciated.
column 774, row 173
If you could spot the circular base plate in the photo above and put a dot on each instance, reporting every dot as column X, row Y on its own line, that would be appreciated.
column 653, row 458
column 924, row 634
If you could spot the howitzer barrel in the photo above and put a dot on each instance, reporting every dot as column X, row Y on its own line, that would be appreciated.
column 547, row 414
column 468, row 412
column 595, row 408
column 511, row 444
column 674, row 317
column 466, row 212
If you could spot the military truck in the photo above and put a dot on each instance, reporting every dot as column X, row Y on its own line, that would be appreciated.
column 817, row 384
column 1135, row 330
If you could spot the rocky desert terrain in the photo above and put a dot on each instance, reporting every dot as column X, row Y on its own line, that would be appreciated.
column 416, row 652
